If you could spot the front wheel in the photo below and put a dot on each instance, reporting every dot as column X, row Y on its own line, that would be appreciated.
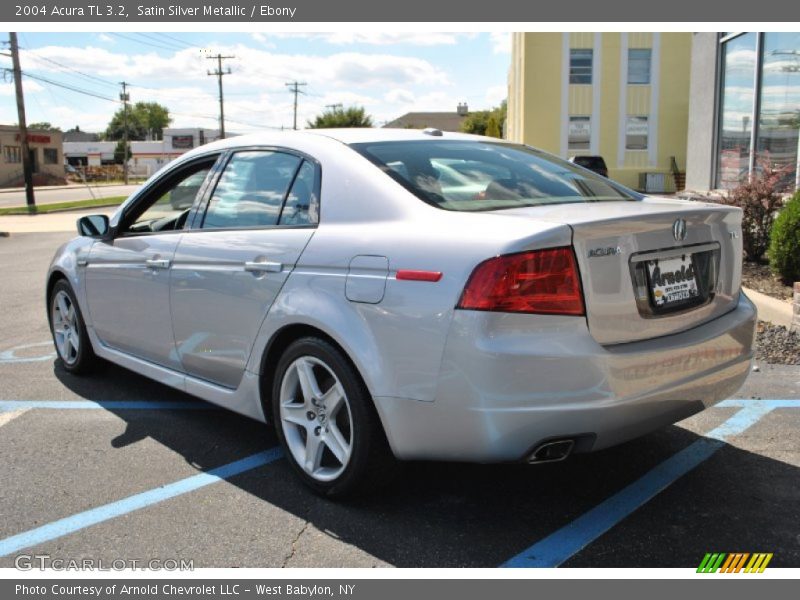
column 69, row 331
column 326, row 422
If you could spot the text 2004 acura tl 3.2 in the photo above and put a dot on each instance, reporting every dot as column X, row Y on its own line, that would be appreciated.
column 395, row 294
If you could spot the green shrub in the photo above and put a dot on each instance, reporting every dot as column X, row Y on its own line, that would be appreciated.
column 784, row 246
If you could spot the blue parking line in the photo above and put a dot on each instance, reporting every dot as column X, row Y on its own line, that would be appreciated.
column 130, row 504
column 564, row 543
column 9, row 405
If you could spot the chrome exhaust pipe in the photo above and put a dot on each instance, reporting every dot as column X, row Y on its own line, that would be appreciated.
column 553, row 451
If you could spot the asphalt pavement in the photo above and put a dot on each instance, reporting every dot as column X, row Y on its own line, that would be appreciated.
column 115, row 466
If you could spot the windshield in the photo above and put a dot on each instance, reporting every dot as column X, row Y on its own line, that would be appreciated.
column 475, row 176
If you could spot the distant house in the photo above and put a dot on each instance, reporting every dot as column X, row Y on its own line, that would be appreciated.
column 47, row 159
column 76, row 135
column 446, row 121
column 147, row 157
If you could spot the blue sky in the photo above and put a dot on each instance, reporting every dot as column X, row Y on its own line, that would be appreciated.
column 389, row 73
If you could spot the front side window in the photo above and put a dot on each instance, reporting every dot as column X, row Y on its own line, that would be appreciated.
column 636, row 130
column 252, row 189
column 167, row 206
column 580, row 65
column 580, row 133
column 639, row 65
column 477, row 176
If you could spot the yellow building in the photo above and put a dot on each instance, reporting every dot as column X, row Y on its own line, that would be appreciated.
column 623, row 96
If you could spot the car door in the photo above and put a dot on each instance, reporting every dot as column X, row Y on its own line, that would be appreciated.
column 229, row 268
column 127, row 276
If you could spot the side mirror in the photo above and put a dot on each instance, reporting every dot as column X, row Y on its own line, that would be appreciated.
column 95, row 226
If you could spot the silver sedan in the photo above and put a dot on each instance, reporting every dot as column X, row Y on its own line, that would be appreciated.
column 384, row 295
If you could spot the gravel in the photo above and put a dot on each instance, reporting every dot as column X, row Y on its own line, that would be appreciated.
column 777, row 345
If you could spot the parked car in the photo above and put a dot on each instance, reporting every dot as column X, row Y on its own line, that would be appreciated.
column 593, row 163
column 329, row 282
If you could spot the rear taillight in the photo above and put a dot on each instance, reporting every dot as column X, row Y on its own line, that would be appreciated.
column 541, row 281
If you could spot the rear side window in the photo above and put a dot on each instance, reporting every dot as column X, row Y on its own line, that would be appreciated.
column 302, row 204
column 475, row 176
column 251, row 190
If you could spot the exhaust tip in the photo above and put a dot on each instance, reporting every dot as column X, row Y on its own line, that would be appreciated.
column 551, row 451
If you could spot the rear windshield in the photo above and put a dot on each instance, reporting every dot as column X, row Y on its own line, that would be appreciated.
column 475, row 176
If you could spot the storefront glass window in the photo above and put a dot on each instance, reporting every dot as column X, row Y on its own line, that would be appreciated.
column 736, row 109
column 779, row 117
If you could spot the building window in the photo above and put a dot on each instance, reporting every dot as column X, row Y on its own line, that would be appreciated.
column 736, row 110
column 580, row 133
column 639, row 65
column 580, row 65
column 50, row 156
column 636, row 130
column 12, row 154
column 778, row 123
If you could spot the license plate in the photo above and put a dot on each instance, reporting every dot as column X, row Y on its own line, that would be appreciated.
column 672, row 280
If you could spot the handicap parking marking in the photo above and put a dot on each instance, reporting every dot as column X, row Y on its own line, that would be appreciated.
column 93, row 516
column 561, row 545
column 11, row 405
column 10, row 356
column 9, row 415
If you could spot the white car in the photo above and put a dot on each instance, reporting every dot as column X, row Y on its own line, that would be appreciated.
column 388, row 294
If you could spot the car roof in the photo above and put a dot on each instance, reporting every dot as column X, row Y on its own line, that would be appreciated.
column 354, row 135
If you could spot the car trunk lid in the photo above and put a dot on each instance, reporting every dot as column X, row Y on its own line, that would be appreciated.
column 653, row 267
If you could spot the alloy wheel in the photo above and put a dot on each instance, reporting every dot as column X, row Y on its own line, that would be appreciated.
column 316, row 418
column 65, row 327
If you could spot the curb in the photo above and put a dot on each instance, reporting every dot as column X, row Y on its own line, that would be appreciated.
column 771, row 309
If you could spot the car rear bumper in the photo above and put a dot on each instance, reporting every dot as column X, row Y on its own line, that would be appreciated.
column 510, row 382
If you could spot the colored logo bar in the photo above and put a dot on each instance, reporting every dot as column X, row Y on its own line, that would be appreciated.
column 720, row 562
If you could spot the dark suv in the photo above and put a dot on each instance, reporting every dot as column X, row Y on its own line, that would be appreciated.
column 593, row 163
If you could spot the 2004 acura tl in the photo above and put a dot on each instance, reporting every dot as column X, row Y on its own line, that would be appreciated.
column 383, row 294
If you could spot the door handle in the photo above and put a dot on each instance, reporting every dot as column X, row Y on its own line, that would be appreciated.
column 158, row 263
column 257, row 266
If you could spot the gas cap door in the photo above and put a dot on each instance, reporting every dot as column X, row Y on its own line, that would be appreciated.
column 366, row 279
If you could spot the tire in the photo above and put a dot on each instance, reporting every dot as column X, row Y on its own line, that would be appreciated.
column 326, row 422
column 68, row 329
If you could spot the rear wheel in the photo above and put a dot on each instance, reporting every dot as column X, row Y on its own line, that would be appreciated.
column 69, row 331
column 326, row 421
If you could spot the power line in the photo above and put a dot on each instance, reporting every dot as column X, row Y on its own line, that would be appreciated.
column 173, row 38
column 167, row 43
column 143, row 43
column 68, row 68
column 66, row 86
column 219, row 73
column 294, row 87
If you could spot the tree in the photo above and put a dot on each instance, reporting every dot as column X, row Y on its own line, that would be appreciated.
column 120, row 151
column 478, row 121
column 145, row 119
column 353, row 116
column 43, row 125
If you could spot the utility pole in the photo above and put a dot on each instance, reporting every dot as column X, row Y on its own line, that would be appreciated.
column 27, row 167
column 294, row 87
column 125, row 97
column 335, row 107
column 219, row 74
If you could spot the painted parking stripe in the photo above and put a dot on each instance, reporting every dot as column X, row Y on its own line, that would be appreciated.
column 130, row 504
column 564, row 543
column 8, row 405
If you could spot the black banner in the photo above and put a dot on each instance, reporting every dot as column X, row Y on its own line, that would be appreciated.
column 443, row 11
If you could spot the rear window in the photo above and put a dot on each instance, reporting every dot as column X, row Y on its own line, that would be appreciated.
column 475, row 176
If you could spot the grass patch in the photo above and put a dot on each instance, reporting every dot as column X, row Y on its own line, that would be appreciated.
column 63, row 206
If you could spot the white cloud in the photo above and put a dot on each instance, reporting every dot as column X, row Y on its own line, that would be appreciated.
column 496, row 94
column 379, row 38
column 105, row 38
column 501, row 42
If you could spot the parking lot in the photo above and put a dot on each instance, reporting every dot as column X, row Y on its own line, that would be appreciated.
column 116, row 466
